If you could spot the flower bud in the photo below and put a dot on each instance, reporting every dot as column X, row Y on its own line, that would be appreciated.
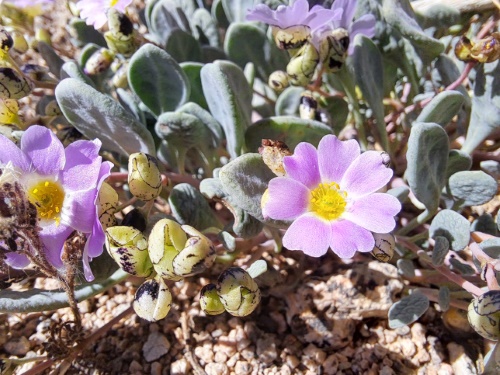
column 144, row 177
column 43, row 35
column 333, row 49
column 128, row 247
column 487, row 50
column 197, row 255
column 20, row 43
column 99, row 61
column 6, row 41
column 272, row 153
column 238, row 292
column 120, row 78
column 121, row 37
column 152, row 300
column 165, row 241
column 308, row 106
column 484, row 315
column 210, row 302
column 278, row 81
column 13, row 85
column 292, row 37
column 9, row 109
column 463, row 49
column 107, row 203
column 36, row 72
column 301, row 67
column 384, row 246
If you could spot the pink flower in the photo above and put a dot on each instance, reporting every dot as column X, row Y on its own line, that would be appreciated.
column 63, row 185
column 95, row 11
column 331, row 196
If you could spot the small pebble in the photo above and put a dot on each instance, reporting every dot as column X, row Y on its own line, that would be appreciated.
column 156, row 368
column 135, row 366
column 180, row 367
column 242, row 368
column 216, row 369
column 156, row 346
column 17, row 346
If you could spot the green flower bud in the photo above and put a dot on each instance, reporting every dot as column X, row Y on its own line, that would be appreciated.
column 43, row 35
column 484, row 315
column 120, row 78
column 333, row 49
column 384, row 246
column 238, row 292
column 165, row 241
column 308, row 106
column 152, row 300
column 301, row 67
column 144, row 177
column 210, row 302
column 121, row 37
column 20, row 43
column 463, row 49
column 99, row 61
column 107, row 203
column 13, row 85
column 197, row 255
column 278, row 81
column 52, row 109
column 6, row 41
column 292, row 37
column 128, row 247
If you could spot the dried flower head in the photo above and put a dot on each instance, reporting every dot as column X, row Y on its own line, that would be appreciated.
column 331, row 196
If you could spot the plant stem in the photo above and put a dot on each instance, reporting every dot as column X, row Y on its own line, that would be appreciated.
column 415, row 222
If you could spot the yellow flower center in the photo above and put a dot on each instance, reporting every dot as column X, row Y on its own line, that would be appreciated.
column 48, row 197
column 328, row 201
column 113, row 3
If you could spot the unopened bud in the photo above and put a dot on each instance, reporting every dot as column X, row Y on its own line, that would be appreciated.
column 333, row 49
column 6, row 41
column 210, row 302
column 51, row 108
column 165, row 241
column 43, row 35
column 273, row 153
column 292, row 37
column 238, row 292
column 463, row 49
column 120, row 78
column 152, row 300
column 484, row 315
column 129, row 248
column 278, row 81
column 301, row 67
column 384, row 246
column 13, row 85
column 308, row 106
column 99, row 61
column 107, row 203
column 197, row 255
column 144, row 177
column 9, row 109
column 121, row 37
column 486, row 50
column 20, row 43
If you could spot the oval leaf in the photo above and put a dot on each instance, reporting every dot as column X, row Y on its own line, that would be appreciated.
column 442, row 108
column 408, row 310
column 453, row 226
column 473, row 187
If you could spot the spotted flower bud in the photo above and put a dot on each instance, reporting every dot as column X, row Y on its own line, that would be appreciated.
column 463, row 49
column 301, row 67
column 238, row 292
column 128, row 247
column 308, row 106
column 278, row 81
column 120, row 78
column 210, row 302
column 334, row 48
column 272, row 153
column 13, row 85
column 165, row 241
column 99, row 61
column 121, row 37
column 107, row 203
column 20, row 43
column 152, row 300
column 487, row 50
column 197, row 255
column 384, row 246
column 6, row 41
column 484, row 315
column 144, row 177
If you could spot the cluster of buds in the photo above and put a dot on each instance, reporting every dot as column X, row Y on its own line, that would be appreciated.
column 484, row 50
column 170, row 252
column 484, row 315
column 236, row 292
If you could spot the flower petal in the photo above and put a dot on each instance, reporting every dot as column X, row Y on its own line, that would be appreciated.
column 82, row 167
column 365, row 175
column 121, row 5
column 79, row 210
column 348, row 7
column 335, row 156
column 261, row 13
column 297, row 12
column 53, row 237
column 9, row 152
column 374, row 212
column 303, row 165
column 44, row 149
column 364, row 25
column 319, row 17
column 93, row 248
column 347, row 238
column 309, row 234
column 16, row 260
column 286, row 199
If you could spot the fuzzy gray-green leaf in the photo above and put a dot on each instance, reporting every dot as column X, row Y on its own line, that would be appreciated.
column 453, row 226
column 182, row 46
column 442, row 108
column 97, row 115
column 408, row 310
column 157, row 79
column 457, row 161
column 473, row 187
column 441, row 248
column 427, row 159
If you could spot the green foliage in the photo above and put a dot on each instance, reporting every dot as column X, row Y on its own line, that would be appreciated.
column 408, row 310
column 453, row 226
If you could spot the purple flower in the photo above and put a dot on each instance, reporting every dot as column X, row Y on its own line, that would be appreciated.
column 95, row 11
column 364, row 25
column 331, row 196
column 28, row 3
column 63, row 185
column 298, row 14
